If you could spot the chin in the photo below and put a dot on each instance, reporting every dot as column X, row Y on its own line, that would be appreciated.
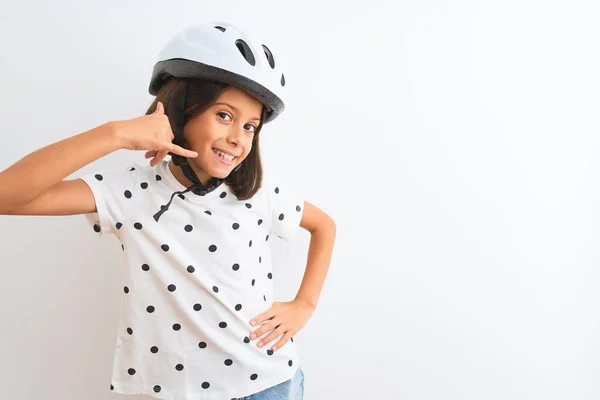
column 217, row 170
column 221, row 173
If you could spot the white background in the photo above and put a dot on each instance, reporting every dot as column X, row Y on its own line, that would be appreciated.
column 455, row 143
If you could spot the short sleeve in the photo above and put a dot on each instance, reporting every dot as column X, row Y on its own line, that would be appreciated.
column 114, row 193
column 286, row 208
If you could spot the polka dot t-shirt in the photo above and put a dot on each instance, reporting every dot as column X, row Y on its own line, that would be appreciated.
column 193, row 281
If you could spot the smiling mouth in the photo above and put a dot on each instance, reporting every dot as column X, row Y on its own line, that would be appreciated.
column 229, row 158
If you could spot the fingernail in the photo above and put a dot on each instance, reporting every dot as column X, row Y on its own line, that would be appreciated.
column 253, row 336
column 252, row 323
column 260, row 344
column 274, row 348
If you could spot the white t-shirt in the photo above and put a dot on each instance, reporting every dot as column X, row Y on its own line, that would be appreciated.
column 194, row 280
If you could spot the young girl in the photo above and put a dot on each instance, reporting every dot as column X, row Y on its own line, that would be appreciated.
column 198, row 320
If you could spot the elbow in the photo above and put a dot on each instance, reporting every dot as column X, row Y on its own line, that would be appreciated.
column 327, row 226
column 332, row 225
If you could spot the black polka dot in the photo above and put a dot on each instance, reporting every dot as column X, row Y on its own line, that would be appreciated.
column 181, row 196
column 212, row 248
column 96, row 228
column 130, row 331
column 145, row 267
column 158, row 177
column 191, row 269
column 270, row 275
column 179, row 367
column 127, row 194
column 270, row 352
column 236, row 226
column 298, row 208
column 157, row 388
column 205, row 385
column 154, row 349
column 281, row 217
column 171, row 288
column 259, row 260
column 222, row 324
column 260, row 221
column 290, row 363
column 254, row 377
column 264, row 297
column 207, row 212
column 131, row 371
column 267, row 238
column 250, row 244
column 277, row 190
column 222, row 195
column 123, row 247
column 112, row 387
column 292, row 339
column 150, row 309
column 197, row 307
column 248, row 205
column 126, row 289
column 137, row 226
column 119, row 225
column 246, row 339
column 202, row 345
column 228, row 362
column 132, row 169
column 144, row 185
column 99, row 177
column 188, row 228
column 176, row 327
column 236, row 266
column 165, row 247
column 215, row 289
column 238, row 307
column 253, row 282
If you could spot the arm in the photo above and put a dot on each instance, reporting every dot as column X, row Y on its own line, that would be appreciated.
column 24, row 186
column 289, row 317
column 323, row 230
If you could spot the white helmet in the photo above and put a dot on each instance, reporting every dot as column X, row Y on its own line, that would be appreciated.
column 223, row 53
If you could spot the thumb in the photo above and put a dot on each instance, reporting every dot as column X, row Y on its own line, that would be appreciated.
column 160, row 109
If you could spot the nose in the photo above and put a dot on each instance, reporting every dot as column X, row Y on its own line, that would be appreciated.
column 235, row 135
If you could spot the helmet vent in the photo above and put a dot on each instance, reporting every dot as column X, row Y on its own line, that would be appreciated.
column 282, row 80
column 269, row 56
column 246, row 52
column 220, row 28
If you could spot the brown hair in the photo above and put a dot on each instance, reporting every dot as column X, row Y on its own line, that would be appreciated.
column 201, row 94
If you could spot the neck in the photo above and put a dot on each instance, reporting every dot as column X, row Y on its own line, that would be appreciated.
column 180, row 176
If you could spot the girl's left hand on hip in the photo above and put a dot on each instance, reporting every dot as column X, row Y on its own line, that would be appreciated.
column 285, row 318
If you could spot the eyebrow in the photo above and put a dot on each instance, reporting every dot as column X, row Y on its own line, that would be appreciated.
column 236, row 110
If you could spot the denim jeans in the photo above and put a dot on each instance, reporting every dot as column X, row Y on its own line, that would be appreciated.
column 292, row 389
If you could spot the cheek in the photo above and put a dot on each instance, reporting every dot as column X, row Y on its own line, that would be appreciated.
column 248, row 148
column 200, row 140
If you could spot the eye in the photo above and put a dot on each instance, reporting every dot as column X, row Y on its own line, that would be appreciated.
column 250, row 127
column 224, row 115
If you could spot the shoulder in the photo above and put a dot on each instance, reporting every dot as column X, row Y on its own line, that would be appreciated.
column 125, row 179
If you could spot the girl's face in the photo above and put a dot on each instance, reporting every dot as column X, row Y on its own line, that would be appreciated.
column 222, row 135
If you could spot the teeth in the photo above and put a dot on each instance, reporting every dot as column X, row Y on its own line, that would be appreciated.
column 224, row 156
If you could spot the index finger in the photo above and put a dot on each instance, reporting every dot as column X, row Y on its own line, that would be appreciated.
column 183, row 152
